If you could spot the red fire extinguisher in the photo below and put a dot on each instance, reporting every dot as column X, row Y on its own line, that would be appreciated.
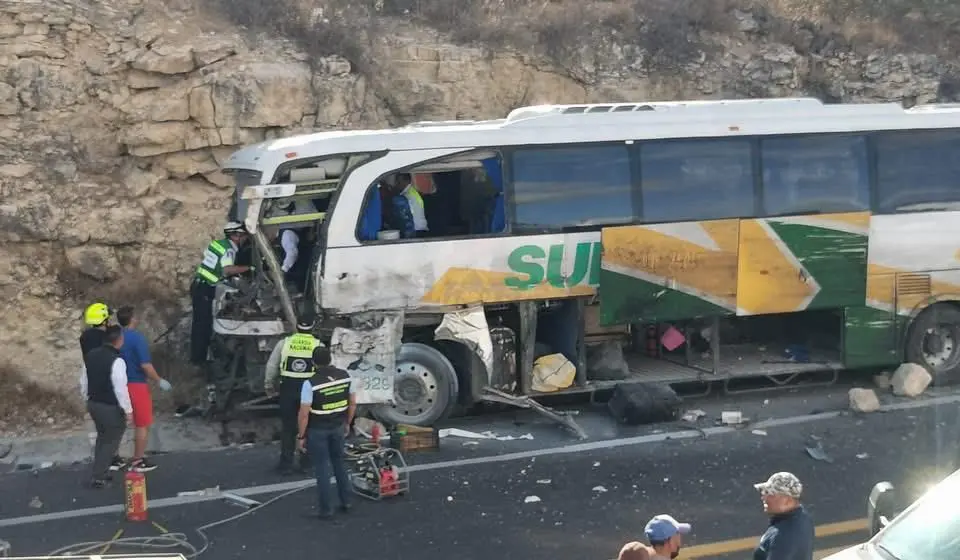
column 135, row 484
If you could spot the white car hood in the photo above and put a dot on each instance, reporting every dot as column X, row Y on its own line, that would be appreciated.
column 858, row 552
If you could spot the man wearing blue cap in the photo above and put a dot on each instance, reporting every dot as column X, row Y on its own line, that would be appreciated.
column 664, row 532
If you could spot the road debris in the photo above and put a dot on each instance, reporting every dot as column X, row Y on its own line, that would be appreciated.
column 599, row 489
column 544, row 481
column 863, row 400
column 759, row 432
column 732, row 417
column 863, row 455
column 467, row 434
column 817, row 452
column 35, row 503
column 882, row 381
column 694, row 415
column 531, row 499
column 910, row 380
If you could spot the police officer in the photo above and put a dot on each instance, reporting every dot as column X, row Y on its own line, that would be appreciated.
column 292, row 361
column 328, row 403
column 218, row 263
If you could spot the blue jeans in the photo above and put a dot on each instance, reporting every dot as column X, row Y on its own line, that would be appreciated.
column 325, row 446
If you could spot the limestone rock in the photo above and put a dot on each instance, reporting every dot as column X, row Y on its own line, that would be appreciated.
column 262, row 94
column 910, row 380
column 96, row 261
column 9, row 103
column 864, row 400
column 159, row 105
column 166, row 59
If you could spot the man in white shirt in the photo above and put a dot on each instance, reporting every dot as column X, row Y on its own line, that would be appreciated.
column 103, row 385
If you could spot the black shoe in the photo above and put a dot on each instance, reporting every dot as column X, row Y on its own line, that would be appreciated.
column 118, row 464
column 346, row 508
column 284, row 470
column 142, row 466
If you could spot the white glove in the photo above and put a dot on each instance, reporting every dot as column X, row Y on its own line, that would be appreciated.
column 165, row 385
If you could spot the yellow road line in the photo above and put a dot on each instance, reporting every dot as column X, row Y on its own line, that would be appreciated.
column 821, row 554
column 739, row 545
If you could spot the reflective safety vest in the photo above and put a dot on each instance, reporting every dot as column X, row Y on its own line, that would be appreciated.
column 415, row 200
column 211, row 267
column 296, row 356
column 331, row 395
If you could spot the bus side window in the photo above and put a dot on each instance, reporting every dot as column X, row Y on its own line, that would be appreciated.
column 918, row 171
column 813, row 174
column 556, row 188
column 696, row 180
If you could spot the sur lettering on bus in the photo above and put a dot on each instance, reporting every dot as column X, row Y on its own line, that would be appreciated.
column 535, row 265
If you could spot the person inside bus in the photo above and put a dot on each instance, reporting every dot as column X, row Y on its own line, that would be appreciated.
column 294, row 243
column 403, row 208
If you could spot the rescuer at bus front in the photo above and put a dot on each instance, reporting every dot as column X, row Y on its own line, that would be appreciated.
column 328, row 402
column 292, row 361
column 217, row 263
column 103, row 386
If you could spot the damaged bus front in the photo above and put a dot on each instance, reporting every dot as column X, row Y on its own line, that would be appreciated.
column 253, row 312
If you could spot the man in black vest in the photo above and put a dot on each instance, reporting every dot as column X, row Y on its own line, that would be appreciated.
column 103, row 385
column 327, row 405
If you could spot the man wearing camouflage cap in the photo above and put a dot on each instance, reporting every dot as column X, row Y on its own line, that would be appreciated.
column 791, row 531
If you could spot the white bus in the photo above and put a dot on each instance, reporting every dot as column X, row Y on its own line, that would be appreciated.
column 575, row 247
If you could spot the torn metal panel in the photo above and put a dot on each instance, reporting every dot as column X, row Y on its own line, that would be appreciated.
column 469, row 327
column 368, row 352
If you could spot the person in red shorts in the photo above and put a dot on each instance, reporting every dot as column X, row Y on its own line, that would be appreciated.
column 136, row 353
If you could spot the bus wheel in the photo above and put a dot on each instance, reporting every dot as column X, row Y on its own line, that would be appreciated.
column 424, row 389
column 934, row 341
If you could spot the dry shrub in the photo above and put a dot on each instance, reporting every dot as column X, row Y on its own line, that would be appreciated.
column 28, row 404
column 319, row 28
column 140, row 291
column 930, row 26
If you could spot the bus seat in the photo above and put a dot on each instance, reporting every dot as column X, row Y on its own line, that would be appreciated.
column 372, row 215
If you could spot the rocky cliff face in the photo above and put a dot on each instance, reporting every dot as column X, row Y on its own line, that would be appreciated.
column 114, row 114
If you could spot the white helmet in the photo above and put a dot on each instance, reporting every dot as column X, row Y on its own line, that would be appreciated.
column 234, row 227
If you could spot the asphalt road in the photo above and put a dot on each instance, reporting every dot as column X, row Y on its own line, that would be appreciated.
column 590, row 502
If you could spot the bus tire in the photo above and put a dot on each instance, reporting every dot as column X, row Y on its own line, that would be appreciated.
column 934, row 342
column 425, row 387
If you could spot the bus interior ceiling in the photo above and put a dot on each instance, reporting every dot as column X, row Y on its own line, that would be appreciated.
column 687, row 351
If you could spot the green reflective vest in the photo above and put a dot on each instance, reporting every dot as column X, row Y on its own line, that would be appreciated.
column 296, row 356
column 331, row 395
column 211, row 267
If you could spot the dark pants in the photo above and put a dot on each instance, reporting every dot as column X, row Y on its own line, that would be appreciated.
column 201, row 328
column 111, row 423
column 325, row 445
column 288, row 400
